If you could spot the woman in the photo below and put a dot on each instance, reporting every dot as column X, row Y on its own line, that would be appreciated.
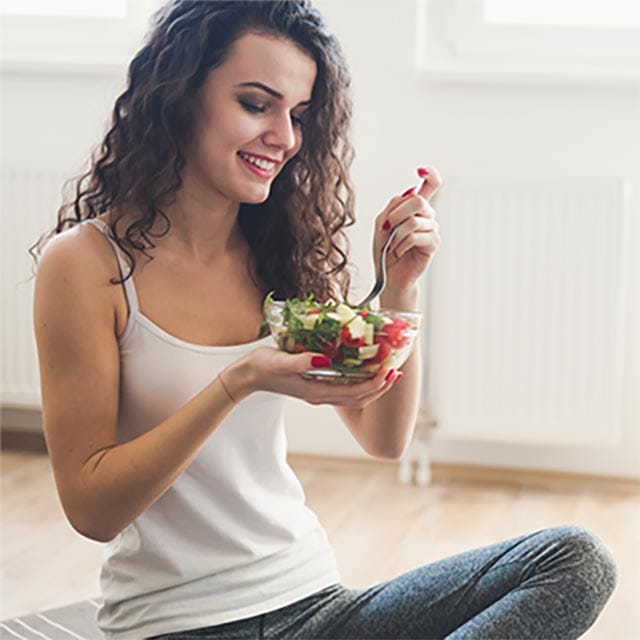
column 224, row 175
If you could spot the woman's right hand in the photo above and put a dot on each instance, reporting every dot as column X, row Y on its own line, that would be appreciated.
column 270, row 369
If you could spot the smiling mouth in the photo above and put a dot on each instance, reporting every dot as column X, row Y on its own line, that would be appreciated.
column 261, row 163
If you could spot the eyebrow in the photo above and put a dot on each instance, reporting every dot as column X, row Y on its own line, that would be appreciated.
column 273, row 92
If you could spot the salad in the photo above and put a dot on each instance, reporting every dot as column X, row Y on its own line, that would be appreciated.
column 356, row 339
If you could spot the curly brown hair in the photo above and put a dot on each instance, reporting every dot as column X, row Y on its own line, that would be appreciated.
column 295, row 236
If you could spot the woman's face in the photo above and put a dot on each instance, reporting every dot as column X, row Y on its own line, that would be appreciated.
column 250, row 112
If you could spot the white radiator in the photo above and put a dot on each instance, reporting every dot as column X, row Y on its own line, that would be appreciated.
column 527, row 308
column 29, row 201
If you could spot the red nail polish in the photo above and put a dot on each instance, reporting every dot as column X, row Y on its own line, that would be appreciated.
column 320, row 361
column 399, row 377
column 386, row 225
column 408, row 191
column 422, row 172
column 389, row 374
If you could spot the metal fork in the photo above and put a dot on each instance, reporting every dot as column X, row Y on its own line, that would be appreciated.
column 381, row 276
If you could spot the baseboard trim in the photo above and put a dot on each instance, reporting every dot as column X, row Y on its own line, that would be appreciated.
column 34, row 442
column 22, row 440
column 476, row 474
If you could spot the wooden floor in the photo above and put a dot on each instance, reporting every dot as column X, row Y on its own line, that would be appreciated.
column 378, row 527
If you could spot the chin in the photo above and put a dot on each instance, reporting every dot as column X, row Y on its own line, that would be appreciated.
column 257, row 198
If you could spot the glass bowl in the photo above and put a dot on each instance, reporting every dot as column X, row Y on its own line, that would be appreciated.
column 359, row 342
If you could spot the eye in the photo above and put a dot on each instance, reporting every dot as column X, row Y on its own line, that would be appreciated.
column 253, row 108
column 298, row 121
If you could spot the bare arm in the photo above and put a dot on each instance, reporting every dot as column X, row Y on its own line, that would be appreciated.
column 384, row 428
column 103, row 485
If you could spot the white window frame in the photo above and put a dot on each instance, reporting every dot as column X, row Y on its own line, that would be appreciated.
column 60, row 8
column 455, row 44
column 70, row 44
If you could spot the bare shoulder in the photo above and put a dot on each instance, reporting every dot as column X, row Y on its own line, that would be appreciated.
column 82, row 258
column 80, row 245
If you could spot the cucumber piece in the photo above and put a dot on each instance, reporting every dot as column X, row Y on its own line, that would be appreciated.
column 368, row 334
column 309, row 321
column 289, row 342
column 368, row 351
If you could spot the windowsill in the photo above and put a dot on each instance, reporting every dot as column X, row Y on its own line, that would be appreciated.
column 574, row 76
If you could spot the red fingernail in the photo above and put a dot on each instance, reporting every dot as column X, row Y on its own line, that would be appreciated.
column 408, row 191
column 320, row 361
column 389, row 374
column 399, row 377
column 422, row 172
column 386, row 225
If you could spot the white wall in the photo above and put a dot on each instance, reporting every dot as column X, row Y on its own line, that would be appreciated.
column 402, row 121
column 484, row 130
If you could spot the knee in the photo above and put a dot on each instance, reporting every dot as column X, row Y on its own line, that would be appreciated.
column 591, row 561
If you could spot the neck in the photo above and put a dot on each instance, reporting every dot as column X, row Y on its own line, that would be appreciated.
column 204, row 225
column 203, row 235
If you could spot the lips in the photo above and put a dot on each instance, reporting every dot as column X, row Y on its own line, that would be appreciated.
column 264, row 163
column 257, row 155
column 257, row 166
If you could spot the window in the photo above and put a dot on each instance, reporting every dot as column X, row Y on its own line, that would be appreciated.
column 530, row 41
column 571, row 13
column 72, row 36
column 72, row 8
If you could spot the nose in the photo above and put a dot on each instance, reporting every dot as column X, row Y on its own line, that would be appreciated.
column 281, row 133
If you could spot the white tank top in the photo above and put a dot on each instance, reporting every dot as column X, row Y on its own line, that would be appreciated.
column 232, row 537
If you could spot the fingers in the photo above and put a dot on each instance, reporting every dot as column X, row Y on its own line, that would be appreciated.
column 391, row 377
column 409, row 216
column 411, row 203
column 355, row 395
column 425, row 242
column 384, row 214
column 281, row 372
column 422, row 233
column 431, row 184
column 349, row 395
column 412, row 206
column 409, row 221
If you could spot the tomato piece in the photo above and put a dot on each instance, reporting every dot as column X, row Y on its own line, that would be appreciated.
column 397, row 324
column 384, row 349
column 330, row 350
column 397, row 339
column 312, row 311
column 348, row 340
column 401, row 342
column 395, row 332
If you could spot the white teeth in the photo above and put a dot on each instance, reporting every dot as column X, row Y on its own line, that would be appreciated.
column 259, row 162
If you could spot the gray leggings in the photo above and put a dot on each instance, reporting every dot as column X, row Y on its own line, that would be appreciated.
column 549, row 584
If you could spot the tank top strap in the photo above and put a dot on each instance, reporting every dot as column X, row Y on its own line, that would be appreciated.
column 129, row 286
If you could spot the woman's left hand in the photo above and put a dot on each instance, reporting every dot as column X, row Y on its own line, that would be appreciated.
column 417, row 238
